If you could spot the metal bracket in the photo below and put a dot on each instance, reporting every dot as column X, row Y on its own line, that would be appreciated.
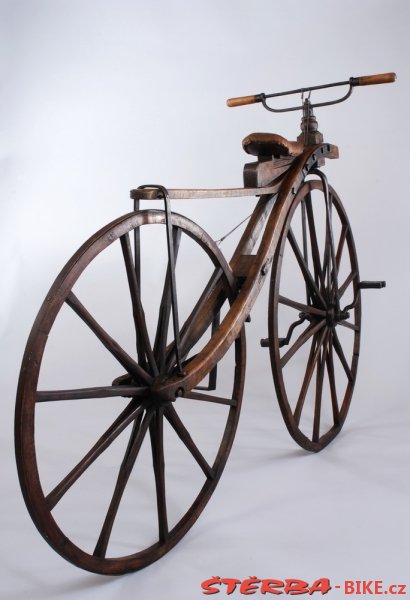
column 171, row 261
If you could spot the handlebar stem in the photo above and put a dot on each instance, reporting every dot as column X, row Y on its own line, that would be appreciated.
column 309, row 126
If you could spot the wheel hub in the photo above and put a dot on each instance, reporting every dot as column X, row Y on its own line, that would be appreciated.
column 159, row 394
column 333, row 317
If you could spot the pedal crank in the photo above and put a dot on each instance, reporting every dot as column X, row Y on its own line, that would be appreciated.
column 372, row 285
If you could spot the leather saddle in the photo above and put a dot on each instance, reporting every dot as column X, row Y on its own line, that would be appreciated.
column 271, row 145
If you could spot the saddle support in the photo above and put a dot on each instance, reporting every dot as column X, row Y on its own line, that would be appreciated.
column 275, row 153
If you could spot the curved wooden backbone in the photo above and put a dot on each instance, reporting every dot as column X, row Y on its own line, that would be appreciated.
column 234, row 320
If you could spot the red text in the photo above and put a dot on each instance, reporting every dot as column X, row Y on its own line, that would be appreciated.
column 371, row 587
column 253, row 584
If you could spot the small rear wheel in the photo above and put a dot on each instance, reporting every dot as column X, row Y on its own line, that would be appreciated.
column 114, row 472
column 315, row 316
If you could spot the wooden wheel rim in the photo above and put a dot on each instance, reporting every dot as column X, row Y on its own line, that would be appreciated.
column 26, row 400
column 291, row 422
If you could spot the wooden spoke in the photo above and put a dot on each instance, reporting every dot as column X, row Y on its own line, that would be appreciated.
column 137, row 309
column 200, row 317
column 306, row 380
column 156, row 430
column 332, row 384
column 349, row 325
column 314, row 244
column 322, row 256
column 136, row 439
column 111, row 391
column 326, row 269
column 165, row 307
column 134, row 431
column 339, row 351
column 332, row 268
column 346, row 283
column 304, row 232
column 315, row 348
column 302, row 307
column 112, row 346
column 340, row 245
column 310, row 282
column 121, row 422
column 174, row 420
column 333, row 283
column 305, row 246
column 320, row 372
column 136, row 266
column 302, row 339
column 63, row 516
column 193, row 395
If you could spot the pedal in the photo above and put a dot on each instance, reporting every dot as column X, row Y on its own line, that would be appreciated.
column 372, row 285
column 265, row 342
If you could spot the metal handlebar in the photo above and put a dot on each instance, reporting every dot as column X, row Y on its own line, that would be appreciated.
column 374, row 79
column 352, row 82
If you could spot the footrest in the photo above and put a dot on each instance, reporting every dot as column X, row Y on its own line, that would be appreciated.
column 265, row 342
column 372, row 285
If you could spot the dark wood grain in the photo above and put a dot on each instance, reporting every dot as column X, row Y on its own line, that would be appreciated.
column 278, row 183
column 107, row 438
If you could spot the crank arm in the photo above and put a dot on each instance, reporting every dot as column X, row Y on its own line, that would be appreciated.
column 365, row 285
column 285, row 340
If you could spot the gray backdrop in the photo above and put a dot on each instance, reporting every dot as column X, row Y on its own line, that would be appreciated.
column 101, row 96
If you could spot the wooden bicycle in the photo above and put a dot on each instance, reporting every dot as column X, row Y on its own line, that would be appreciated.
column 175, row 367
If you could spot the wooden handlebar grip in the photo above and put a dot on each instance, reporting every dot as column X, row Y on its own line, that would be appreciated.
column 374, row 79
column 242, row 100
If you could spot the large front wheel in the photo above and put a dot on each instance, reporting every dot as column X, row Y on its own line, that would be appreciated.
column 314, row 316
column 113, row 472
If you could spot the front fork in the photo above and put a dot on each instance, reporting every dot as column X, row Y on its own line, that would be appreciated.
column 332, row 274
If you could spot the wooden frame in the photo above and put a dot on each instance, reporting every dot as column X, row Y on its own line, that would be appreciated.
column 164, row 371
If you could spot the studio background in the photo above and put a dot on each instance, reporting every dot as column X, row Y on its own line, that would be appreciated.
column 99, row 97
